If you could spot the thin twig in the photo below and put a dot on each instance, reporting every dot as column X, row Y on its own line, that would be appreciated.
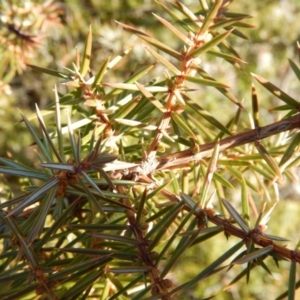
column 187, row 156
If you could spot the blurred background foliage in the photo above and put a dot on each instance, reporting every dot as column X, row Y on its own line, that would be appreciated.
column 57, row 28
column 62, row 27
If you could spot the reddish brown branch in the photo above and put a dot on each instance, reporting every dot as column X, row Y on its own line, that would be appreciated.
column 187, row 156
column 256, row 236
column 159, row 285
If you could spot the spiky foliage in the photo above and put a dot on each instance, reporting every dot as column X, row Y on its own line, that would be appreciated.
column 134, row 174
column 23, row 27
